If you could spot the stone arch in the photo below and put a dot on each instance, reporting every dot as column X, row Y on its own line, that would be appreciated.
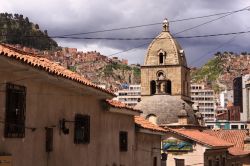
column 161, row 56
column 160, row 75
column 152, row 87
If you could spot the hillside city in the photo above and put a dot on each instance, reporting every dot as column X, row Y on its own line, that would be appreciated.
column 62, row 106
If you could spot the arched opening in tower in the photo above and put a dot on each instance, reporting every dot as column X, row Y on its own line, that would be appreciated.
column 168, row 88
column 161, row 58
column 152, row 87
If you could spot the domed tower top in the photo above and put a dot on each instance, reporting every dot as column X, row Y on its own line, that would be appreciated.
column 165, row 70
column 165, row 50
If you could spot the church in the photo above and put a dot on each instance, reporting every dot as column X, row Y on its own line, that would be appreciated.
column 165, row 82
column 165, row 101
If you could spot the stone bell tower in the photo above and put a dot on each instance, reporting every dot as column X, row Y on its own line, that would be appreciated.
column 165, row 70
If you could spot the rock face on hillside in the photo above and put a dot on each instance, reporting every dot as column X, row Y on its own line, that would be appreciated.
column 220, row 71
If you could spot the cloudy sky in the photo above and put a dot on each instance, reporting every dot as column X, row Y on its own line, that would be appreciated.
column 61, row 17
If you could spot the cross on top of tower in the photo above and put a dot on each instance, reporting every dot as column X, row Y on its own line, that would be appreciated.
column 165, row 25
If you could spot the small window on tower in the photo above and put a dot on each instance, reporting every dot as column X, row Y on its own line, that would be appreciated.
column 161, row 58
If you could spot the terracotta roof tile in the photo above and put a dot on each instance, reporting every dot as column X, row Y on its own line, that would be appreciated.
column 203, row 138
column 145, row 124
column 46, row 65
column 236, row 137
column 118, row 104
column 237, row 151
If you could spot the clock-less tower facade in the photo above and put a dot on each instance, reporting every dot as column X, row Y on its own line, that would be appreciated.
column 165, row 70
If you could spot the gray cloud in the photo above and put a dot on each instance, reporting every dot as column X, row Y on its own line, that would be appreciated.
column 73, row 16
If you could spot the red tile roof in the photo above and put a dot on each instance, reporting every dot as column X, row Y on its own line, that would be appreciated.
column 236, row 137
column 46, row 65
column 145, row 124
column 237, row 151
column 118, row 104
column 202, row 138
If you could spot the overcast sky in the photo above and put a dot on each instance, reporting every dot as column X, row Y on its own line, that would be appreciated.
column 73, row 16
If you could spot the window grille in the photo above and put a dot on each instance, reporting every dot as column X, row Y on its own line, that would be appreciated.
column 15, row 111
column 82, row 129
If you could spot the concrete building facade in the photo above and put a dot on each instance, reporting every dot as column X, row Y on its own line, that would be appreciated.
column 241, row 96
column 205, row 99
column 225, row 97
column 130, row 95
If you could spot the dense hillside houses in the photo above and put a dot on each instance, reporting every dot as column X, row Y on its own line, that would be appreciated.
column 105, row 71
column 219, row 71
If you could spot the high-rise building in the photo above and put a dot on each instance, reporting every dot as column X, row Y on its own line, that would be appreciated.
column 205, row 99
column 241, row 96
column 130, row 95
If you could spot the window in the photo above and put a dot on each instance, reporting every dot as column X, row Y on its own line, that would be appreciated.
column 155, row 161
column 223, row 161
column 49, row 139
column 161, row 58
column 217, row 162
column 234, row 127
column 15, row 111
column 123, row 137
column 152, row 87
column 179, row 162
column 210, row 163
column 82, row 129
column 242, row 126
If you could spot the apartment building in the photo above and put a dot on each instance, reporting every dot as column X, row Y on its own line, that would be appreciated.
column 205, row 99
column 241, row 96
column 130, row 95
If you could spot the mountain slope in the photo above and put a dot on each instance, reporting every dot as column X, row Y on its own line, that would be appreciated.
column 220, row 71
column 15, row 29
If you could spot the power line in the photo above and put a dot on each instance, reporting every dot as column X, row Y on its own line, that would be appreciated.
column 150, row 24
column 246, row 8
column 212, row 51
column 233, row 12
column 147, row 38
column 129, row 49
column 157, row 23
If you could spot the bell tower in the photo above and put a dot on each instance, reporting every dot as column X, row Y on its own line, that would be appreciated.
column 165, row 70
